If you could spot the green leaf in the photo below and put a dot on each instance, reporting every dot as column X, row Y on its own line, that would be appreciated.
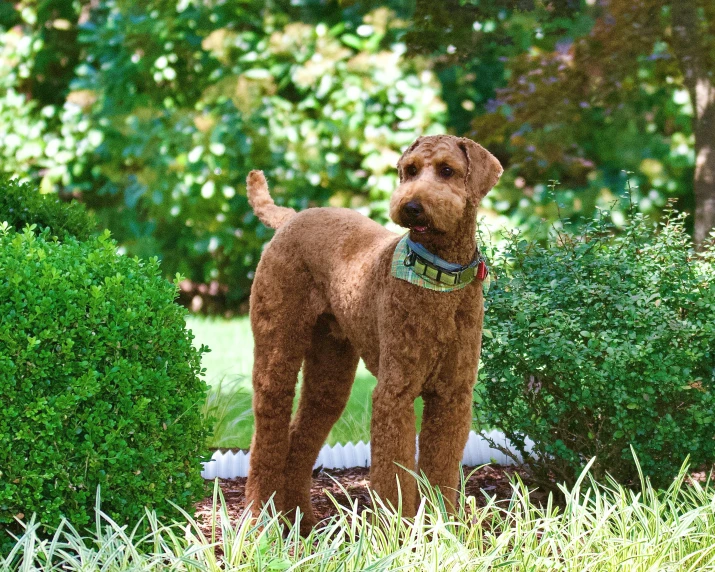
column 352, row 41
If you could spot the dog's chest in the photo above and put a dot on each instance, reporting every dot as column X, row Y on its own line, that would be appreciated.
column 436, row 319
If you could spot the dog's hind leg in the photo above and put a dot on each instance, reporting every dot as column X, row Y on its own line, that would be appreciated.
column 281, row 325
column 328, row 375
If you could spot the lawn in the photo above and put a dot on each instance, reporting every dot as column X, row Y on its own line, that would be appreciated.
column 228, row 372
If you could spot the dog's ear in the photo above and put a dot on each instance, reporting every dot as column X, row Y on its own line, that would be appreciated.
column 483, row 169
column 400, row 170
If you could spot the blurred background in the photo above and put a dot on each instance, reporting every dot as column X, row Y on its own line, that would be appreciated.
column 152, row 112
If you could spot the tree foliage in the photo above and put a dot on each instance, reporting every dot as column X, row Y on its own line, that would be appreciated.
column 172, row 105
column 587, row 91
column 152, row 113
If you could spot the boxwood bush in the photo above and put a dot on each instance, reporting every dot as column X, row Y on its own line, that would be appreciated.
column 100, row 384
column 21, row 205
column 601, row 341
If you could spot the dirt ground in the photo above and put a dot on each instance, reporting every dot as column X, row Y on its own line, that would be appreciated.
column 491, row 479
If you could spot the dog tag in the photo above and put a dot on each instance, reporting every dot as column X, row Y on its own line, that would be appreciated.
column 482, row 270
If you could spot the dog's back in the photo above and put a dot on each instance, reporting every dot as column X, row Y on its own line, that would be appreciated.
column 342, row 254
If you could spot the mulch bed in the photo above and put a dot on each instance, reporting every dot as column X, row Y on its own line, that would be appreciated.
column 493, row 480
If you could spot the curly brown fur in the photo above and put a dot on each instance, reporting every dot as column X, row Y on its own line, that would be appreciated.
column 261, row 202
column 323, row 307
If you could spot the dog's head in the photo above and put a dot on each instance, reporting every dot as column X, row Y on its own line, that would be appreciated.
column 440, row 176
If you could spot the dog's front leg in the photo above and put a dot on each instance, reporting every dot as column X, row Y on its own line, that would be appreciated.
column 393, row 441
column 447, row 418
column 446, row 421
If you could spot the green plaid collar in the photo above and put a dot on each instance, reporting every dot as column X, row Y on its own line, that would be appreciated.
column 407, row 264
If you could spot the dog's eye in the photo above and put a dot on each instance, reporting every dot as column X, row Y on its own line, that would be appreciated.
column 446, row 172
column 411, row 170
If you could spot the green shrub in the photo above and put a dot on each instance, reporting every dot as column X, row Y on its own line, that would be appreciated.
column 21, row 204
column 99, row 381
column 597, row 342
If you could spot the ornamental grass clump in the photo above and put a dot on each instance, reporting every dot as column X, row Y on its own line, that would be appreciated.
column 599, row 527
column 597, row 342
column 100, row 385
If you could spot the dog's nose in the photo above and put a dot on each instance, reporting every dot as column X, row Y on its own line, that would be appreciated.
column 413, row 209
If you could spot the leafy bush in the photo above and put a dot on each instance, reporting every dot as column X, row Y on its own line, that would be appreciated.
column 22, row 205
column 99, row 381
column 190, row 97
column 597, row 342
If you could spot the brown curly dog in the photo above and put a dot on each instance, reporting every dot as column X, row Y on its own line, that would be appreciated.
column 330, row 289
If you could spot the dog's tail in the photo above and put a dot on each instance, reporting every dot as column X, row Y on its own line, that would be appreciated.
column 262, row 204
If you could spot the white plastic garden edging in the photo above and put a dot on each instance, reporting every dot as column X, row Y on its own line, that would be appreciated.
column 230, row 465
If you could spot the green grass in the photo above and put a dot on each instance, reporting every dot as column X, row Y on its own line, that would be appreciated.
column 604, row 528
column 228, row 372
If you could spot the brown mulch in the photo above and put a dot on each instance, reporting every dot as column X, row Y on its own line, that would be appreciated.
column 492, row 480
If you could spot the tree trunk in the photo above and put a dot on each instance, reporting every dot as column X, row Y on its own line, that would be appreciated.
column 704, row 160
column 690, row 47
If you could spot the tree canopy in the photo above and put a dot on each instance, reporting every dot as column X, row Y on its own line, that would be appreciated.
column 153, row 112
column 587, row 91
